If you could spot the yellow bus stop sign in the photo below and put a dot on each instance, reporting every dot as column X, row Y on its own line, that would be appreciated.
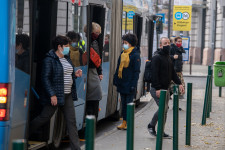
column 182, row 18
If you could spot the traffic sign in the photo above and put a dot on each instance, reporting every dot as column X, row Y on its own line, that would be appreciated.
column 182, row 18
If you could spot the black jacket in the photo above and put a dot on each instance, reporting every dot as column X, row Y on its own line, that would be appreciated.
column 163, row 71
column 178, row 63
column 130, row 75
column 52, row 77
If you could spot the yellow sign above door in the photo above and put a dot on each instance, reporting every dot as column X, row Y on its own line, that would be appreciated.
column 182, row 18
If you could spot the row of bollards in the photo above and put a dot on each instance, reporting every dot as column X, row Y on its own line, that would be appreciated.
column 90, row 129
column 161, row 119
column 207, row 108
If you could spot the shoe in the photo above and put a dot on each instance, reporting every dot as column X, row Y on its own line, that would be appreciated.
column 180, row 109
column 123, row 126
column 167, row 136
column 152, row 131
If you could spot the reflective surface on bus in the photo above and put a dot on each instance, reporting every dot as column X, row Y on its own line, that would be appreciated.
column 22, row 71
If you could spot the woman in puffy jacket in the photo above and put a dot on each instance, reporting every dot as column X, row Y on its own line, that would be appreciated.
column 59, row 89
column 127, row 73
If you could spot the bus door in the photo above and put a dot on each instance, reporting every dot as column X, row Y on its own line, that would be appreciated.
column 20, row 101
column 96, row 13
column 43, row 30
column 137, row 29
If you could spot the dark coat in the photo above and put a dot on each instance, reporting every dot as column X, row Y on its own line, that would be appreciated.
column 163, row 71
column 178, row 63
column 130, row 75
column 52, row 78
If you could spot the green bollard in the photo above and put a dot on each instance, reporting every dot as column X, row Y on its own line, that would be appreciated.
column 90, row 133
column 19, row 144
column 220, row 91
column 204, row 114
column 211, row 84
column 130, row 126
column 175, row 117
column 161, row 119
column 209, row 101
column 188, row 115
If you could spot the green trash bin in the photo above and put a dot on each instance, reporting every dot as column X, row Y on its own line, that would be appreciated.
column 219, row 73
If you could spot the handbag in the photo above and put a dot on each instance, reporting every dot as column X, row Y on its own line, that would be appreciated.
column 95, row 58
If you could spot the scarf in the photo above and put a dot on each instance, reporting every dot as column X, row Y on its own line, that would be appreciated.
column 124, row 60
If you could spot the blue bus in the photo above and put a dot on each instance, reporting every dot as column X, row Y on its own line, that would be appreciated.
column 27, row 28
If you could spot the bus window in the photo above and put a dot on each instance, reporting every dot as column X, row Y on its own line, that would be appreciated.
column 22, row 50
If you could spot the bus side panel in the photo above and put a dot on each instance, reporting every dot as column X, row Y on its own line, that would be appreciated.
column 20, row 105
column 81, row 86
column 104, row 85
column 4, row 42
column 3, row 137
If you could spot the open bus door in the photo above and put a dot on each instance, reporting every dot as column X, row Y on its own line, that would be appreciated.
column 137, row 30
column 96, row 13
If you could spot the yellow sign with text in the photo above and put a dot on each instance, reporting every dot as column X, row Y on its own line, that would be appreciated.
column 182, row 18
column 128, row 17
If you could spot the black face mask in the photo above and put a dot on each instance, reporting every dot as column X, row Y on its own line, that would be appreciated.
column 166, row 49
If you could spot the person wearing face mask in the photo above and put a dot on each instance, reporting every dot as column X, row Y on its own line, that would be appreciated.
column 58, row 89
column 75, row 52
column 22, row 53
column 127, row 73
column 177, row 58
column 105, row 52
column 162, row 74
column 94, row 90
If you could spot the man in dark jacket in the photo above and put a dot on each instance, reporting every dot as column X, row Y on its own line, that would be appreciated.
column 177, row 58
column 162, row 75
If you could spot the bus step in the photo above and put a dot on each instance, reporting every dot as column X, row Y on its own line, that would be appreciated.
column 34, row 145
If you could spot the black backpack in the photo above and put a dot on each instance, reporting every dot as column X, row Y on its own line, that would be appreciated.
column 147, row 73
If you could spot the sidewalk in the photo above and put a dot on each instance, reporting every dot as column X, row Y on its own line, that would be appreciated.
column 209, row 137
column 196, row 71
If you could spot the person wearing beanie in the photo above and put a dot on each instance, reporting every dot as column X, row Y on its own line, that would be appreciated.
column 127, row 73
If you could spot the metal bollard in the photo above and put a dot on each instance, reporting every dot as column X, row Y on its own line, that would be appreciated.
column 19, row 144
column 188, row 114
column 161, row 119
column 204, row 114
column 90, row 133
column 130, row 126
column 175, row 117
column 209, row 95
column 220, row 91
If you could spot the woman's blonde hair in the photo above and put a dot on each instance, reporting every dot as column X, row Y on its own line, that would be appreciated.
column 95, row 27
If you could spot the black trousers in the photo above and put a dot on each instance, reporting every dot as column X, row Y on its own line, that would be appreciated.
column 69, row 113
column 92, row 108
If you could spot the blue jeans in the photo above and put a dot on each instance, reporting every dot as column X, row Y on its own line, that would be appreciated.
column 126, row 98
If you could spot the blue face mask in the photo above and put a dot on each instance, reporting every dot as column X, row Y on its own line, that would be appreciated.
column 74, row 44
column 125, row 46
column 66, row 50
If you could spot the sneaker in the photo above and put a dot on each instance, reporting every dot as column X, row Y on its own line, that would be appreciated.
column 167, row 136
column 152, row 131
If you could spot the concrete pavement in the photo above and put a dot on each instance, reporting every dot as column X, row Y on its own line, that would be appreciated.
column 209, row 137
